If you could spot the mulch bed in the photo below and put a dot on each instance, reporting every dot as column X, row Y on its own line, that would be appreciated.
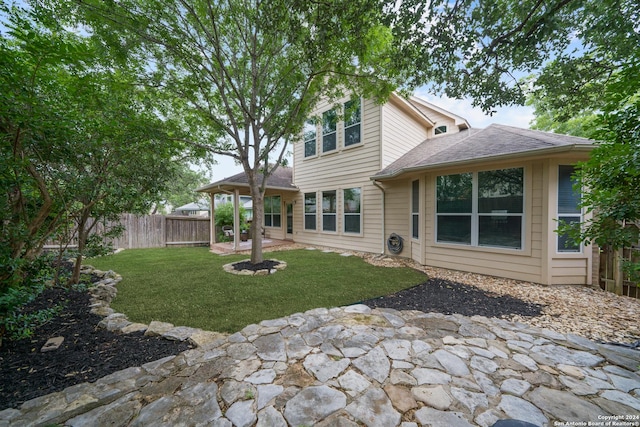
column 247, row 265
column 86, row 354
column 89, row 353
column 443, row 296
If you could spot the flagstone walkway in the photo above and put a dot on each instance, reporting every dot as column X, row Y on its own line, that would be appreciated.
column 353, row 366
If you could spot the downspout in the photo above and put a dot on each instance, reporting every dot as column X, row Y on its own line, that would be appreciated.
column 377, row 184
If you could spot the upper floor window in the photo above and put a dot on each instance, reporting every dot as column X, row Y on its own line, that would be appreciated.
column 569, row 210
column 351, row 210
column 272, row 211
column 309, row 138
column 329, row 126
column 329, row 210
column 440, row 130
column 310, row 209
column 481, row 209
column 352, row 120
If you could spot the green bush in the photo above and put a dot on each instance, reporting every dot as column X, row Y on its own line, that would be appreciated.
column 37, row 276
column 224, row 214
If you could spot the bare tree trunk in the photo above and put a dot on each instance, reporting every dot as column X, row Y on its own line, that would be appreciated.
column 83, row 234
column 258, row 223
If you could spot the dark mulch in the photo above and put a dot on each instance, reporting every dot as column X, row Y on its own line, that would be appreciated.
column 443, row 296
column 247, row 265
column 87, row 353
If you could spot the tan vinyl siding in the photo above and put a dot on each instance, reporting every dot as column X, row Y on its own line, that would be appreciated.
column 564, row 267
column 525, row 264
column 439, row 119
column 570, row 271
column 397, row 213
column 347, row 167
column 401, row 133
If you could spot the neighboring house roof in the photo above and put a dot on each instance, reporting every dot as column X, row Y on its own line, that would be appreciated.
column 282, row 178
column 473, row 145
column 195, row 206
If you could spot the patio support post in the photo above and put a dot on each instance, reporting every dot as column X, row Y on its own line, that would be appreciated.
column 236, row 219
column 212, row 221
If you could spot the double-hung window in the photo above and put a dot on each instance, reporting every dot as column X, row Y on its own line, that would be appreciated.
column 352, row 121
column 481, row 209
column 569, row 210
column 310, row 209
column 352, row 210
column 329, row 210
column 309, row 132
column 415, row 209
column 329, row 126
column 272, row 211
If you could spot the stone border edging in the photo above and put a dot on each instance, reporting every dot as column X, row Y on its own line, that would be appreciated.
column 104, row 291
column 229, row 268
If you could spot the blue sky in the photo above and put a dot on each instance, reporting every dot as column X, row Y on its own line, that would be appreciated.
column 518, row 116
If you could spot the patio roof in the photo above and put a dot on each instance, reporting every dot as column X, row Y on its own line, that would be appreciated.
column 281, row 179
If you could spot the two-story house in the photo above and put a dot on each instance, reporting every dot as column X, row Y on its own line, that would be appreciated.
column 411, row 179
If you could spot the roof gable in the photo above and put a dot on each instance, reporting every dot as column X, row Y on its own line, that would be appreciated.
column 472, row 145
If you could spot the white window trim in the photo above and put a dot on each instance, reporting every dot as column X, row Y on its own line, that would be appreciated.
column 446, row 130
column 416, row 213
column 334, row 214
column 475, row 215
column 360, row 214
column 272, row 213
column 559, row 215
column 345, row 127
column 305, row 214
column 315, row 140
column 335, row 132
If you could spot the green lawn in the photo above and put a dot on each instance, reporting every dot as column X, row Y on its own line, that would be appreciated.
column 188, row 287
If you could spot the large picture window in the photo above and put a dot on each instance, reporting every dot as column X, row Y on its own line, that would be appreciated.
column 310, row 209
column 352, row 210
column 329, row 126
column 352, row 120
column 309, row 138
column 569, row 210
column 329, row 210
column 481, row 209
column 272, row 211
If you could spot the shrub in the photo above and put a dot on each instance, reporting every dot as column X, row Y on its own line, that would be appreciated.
column 224, row 214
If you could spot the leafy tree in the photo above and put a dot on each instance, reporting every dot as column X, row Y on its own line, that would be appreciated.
column 244, row 74
column 78, row 140
column 181, row 190
column 596, row 93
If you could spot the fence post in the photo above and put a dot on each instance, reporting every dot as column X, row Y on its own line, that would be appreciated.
column 617, row 271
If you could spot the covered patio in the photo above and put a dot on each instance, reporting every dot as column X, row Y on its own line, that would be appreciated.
column 279, row 183
column 224, row 248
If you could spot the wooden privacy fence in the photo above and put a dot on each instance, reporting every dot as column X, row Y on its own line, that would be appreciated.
column 153, row 231
column 159, row 231
column 612, row 276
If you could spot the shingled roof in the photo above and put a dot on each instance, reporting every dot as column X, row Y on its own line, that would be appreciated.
column 282, row 178
column 473, row 145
